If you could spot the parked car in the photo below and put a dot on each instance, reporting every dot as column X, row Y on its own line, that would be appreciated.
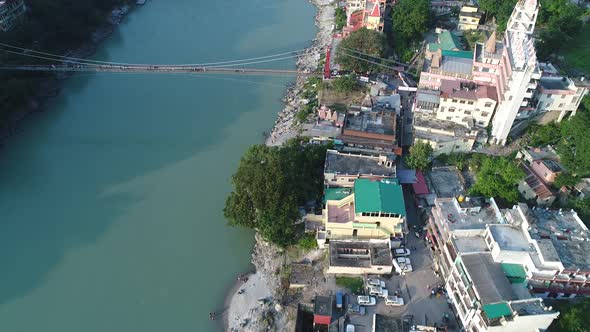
column 404, row 263
column 394, row 301
column 401, row 252
column 366, row 300
column 339, row 299
column 355, row 309
column 375, row 282
column 349, row 328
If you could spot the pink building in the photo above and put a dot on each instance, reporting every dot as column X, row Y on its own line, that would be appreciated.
column 546, row 169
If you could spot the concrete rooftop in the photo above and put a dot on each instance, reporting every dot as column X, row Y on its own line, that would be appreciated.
column 360, row 253
column 353, row 164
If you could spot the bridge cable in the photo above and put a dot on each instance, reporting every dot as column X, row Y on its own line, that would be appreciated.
column 374, row 56
column 373, row 62
column 81, row 60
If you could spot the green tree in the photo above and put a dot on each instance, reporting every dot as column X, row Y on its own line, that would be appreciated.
column 560, row 21
column 368, row 44
column 574, row 316
column 500, row 9
column 574, row 148
column 544, row 135
column 565, row 179
column 497, row 177
column 270, row 184
column 420, row 156
column 340, row 18
column 345, row 84
column 410, row 20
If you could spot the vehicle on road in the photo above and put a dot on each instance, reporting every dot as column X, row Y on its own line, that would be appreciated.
column 355, row 309
column 366, row 300
column 394, row 301
column 404, row 263
column 401, row 252
column 339, row 299
column 349, row 328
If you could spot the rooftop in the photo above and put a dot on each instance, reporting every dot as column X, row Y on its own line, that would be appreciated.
column 357, row 164
column 472, row 218
column 554, row 83
column 371, row 122
column 480, row 52
column 553, row 165
column 453, row 64
column 428, row 96
column 546, row 152
column 441, row 130
column 532, row 180
column 379, row 196
column 336, row 194
column 446, row 182
column 323, row 305
column 488, row 278
column 446, row 41
column 470, row 243
column 530, row 307
column 509, row 238
column 360, row 253
column 562, row 236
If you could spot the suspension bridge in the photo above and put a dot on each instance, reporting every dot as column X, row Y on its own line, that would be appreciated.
column 62, row 63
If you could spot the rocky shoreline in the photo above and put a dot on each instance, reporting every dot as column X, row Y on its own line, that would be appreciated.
column 256, row 304
column 51, row 87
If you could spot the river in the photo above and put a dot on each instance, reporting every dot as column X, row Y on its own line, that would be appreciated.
column 111, row 201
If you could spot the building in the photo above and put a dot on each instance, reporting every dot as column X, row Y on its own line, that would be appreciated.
column 446, row 41
column 373, row 17
column 334, row 118
column 322, row 310
column 532, row 154
column 371, row 130
column 364, row 14
column 519, row 73
column 342, row 169
column 559, row 96
column 547, row 169
column 467, row 104
column 485, row 300
column 446, row 136
column 375, row 210
column 533, row 188
column 360, row 257
column 10, row 12
column 469, row 18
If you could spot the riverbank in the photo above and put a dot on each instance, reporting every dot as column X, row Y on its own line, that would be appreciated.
column 285, row 126
column 50, row 87
column 255, row 305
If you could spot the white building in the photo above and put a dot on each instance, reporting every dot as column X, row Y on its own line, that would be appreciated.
column 519, row 71
column 559, row 96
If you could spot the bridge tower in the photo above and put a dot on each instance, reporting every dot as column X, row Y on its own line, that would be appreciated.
column 327, row 71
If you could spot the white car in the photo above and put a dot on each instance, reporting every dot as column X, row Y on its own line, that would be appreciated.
column 394, row 301
column 375, row 282
column 404, row 263
column 349, row 328
column 366, row 300
column 401, row 252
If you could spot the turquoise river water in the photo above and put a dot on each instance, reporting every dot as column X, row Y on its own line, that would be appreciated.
column 111, row 201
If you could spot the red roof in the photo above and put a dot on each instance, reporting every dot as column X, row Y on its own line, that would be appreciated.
column 376, row 12
column 420, row 187
column 323, row 320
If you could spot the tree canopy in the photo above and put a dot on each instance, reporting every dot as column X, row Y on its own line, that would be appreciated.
column 345, row 84
column 544, row 135
column 270, row 184
column 573, row 317
column 410, row 20
column 574, row 148
column 500, row 9
column 560, row 21
column 340, row 18
column 497, row 177
column 420, row 156
column 366, row 43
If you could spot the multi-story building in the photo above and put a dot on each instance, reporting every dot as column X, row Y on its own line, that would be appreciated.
column 342, row 169
column 519, row 73
column 533, row 188
column 375, row 210
column 10, row 12
column 364, row 14
column 467, row 104
column 469, row 17
column 559, row 96
column 371, row 130
column 446, row 136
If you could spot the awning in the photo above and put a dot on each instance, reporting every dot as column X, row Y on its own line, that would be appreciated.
column 514, row 272
column 497, row 310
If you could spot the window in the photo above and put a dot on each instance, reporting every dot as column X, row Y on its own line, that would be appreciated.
column 481, row 123
column 561, row 105
column 485, row 114
column 461, row 101
column 470, row 102
column 454, row 100
column 510, row 98
column 467, row 113
column 562, row 96
column 449, row 117
column 350, row 180
column 440, row 146
column 451, row 109
column 487, row 105
column 442, row 109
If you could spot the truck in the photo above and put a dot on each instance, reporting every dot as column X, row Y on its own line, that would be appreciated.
column 339, row 299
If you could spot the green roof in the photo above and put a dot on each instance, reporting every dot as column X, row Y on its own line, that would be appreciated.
column 448, row 41
column 459, row 54
column 379, row 196
column 497, row 310
column 515, row 272
column 336, row 194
